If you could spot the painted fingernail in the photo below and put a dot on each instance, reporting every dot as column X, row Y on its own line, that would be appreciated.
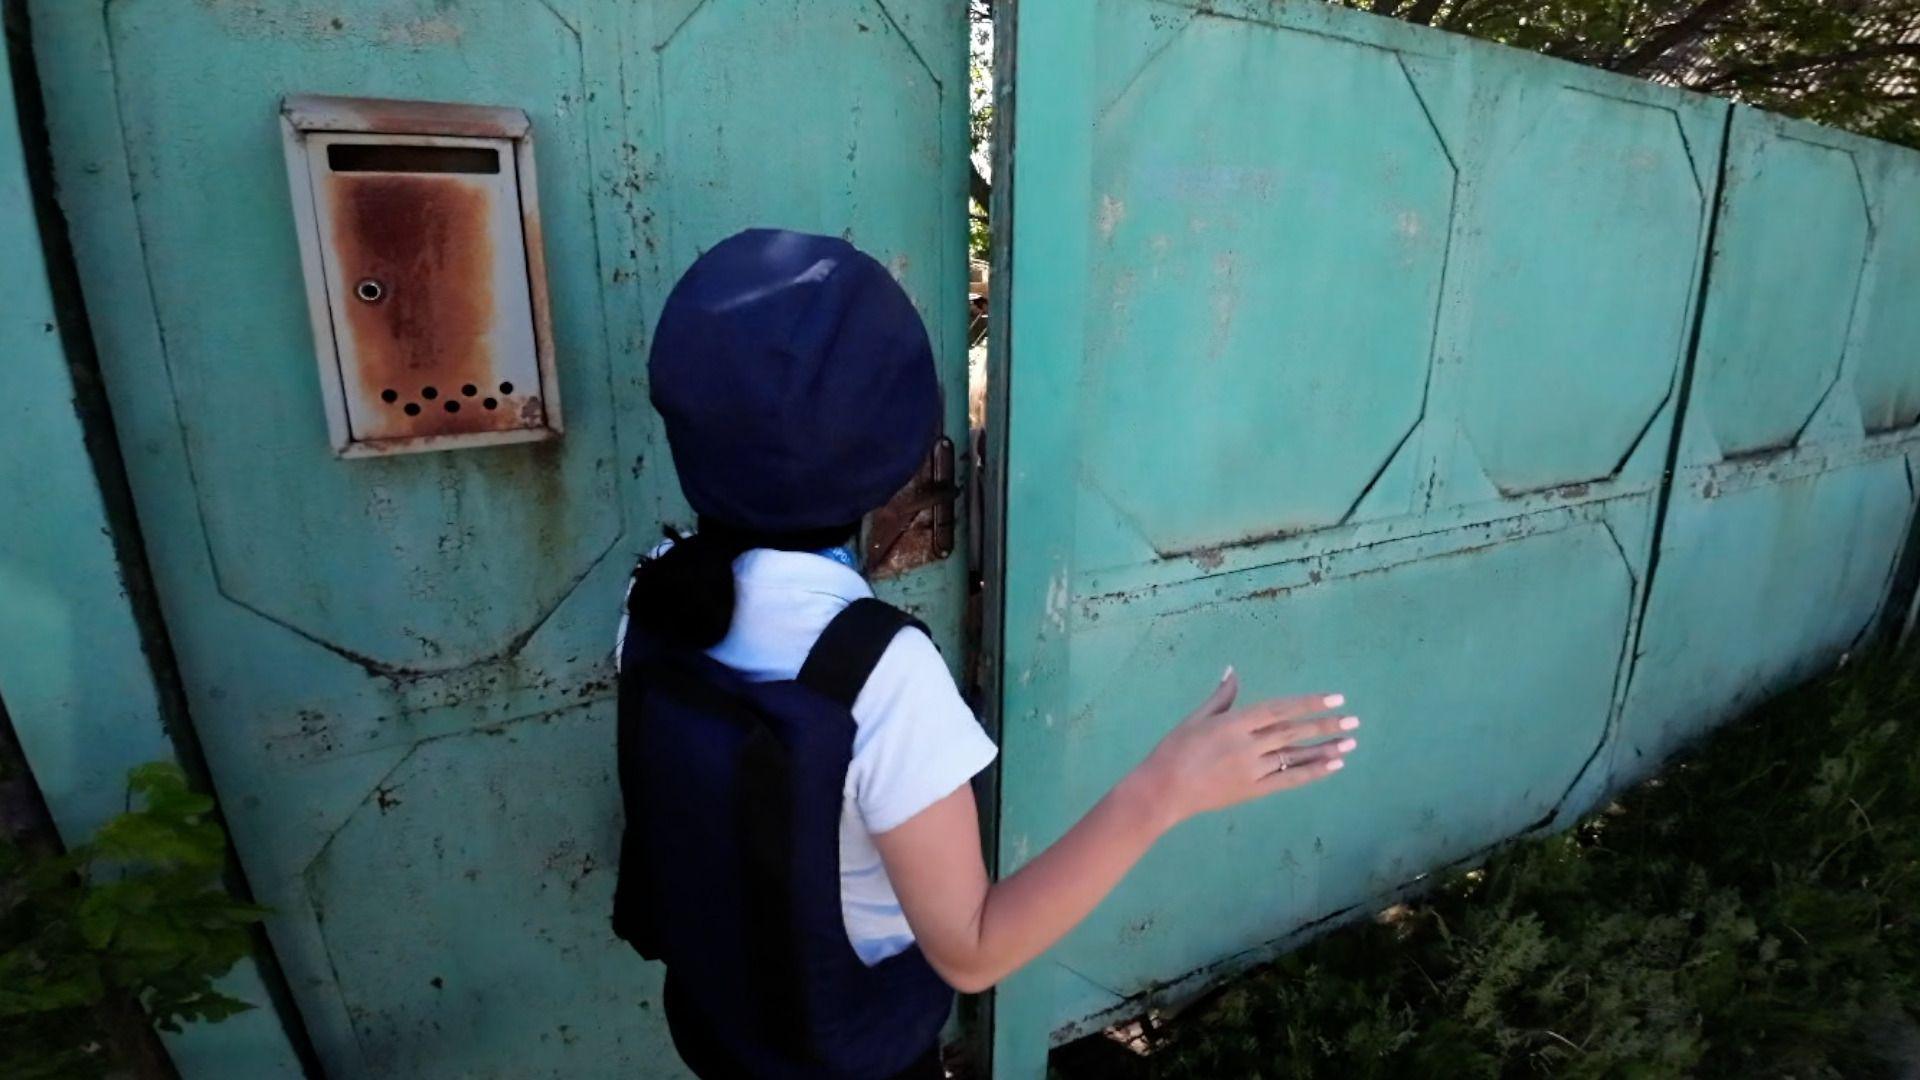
column 1348, row 723
column 1336, row 765
column 1334, row 701
column 1347, row 745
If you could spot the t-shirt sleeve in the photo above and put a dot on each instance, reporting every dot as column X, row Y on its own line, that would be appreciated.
column 917, row 741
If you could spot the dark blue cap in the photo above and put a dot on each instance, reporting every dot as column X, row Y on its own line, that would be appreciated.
column 796, row 381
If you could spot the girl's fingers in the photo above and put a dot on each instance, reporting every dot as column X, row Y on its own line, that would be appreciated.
column 1295, row 756
column 1275, row 736
column 1285, row 710
column 1295, row 776
column 1221, row 700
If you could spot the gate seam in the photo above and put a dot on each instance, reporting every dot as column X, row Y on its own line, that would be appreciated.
column 1663, row 498
column 984, row 1034
column 1889, row 619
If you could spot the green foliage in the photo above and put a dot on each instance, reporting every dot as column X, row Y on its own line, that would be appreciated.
column 1750, row 914
column 137, row 913
column 979, row 124
column 1854, row 64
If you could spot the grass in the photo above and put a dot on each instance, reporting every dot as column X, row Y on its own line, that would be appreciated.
column 1751, row 913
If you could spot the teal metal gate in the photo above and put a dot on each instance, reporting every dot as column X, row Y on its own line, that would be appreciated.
column 399, row 667
column 1356, row 355
column 1795, row 474
column 1353, row 354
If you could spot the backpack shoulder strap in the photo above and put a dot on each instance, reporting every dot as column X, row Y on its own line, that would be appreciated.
column 850, row 646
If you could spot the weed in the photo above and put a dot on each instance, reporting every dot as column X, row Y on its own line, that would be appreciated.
column 135, row 914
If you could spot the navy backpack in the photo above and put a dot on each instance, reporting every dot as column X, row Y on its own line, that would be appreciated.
column 730, row 867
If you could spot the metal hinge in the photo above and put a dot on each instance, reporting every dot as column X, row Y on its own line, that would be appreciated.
column 916, row 527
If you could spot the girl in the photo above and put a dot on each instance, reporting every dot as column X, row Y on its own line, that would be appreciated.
column 802, row 847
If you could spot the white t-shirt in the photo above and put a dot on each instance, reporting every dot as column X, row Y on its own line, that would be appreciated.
column 915, row 739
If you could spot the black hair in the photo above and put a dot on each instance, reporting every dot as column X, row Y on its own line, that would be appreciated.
column 684, row 596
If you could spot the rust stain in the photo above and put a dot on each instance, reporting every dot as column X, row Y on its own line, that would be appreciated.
column 915, row 527
column 430, row 117
column 535, row 239
column 425, row 362
column 902, row 547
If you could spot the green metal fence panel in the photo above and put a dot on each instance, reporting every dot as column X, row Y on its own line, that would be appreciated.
column 1349, row 354
column 74, row 676
column 399, row 667
column 1794, row 488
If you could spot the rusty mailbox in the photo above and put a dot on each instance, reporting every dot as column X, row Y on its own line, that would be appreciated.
column 419, row 230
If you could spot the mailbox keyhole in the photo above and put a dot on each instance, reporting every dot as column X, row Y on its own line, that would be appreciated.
column 370, row 291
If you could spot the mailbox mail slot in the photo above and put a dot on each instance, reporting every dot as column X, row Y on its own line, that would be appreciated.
column 419, row 237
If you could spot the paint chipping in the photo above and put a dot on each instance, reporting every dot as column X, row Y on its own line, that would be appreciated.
column 1112, row 210
column 420, row 33
column 1225, row 303
column 384, row 797
column 1057, row 601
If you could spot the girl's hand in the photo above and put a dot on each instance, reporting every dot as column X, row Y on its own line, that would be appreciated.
column 1219, row 756
column 974, row 932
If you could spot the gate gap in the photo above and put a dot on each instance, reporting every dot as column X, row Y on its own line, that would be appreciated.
column 980, row 232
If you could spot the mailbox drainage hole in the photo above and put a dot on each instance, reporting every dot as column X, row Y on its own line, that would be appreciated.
column 453, row 406
column 491, row 403
column 412, row 409
column 506, row 388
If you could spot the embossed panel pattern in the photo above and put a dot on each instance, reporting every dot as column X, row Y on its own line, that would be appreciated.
column 1793, row 234
column 1227, row 219
column 1272, row 269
